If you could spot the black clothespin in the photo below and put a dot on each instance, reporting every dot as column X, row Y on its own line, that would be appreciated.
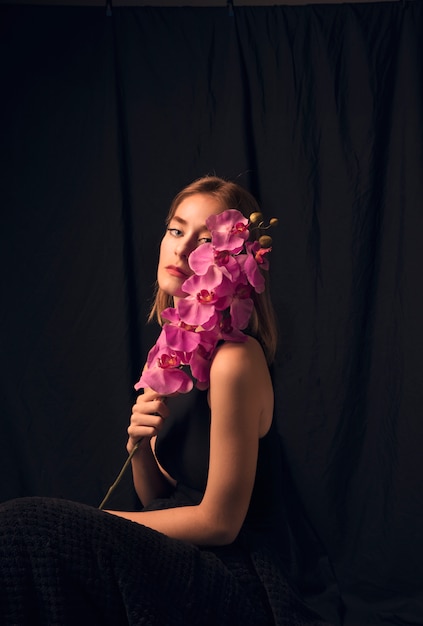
column 109, row 8
column 230, row 7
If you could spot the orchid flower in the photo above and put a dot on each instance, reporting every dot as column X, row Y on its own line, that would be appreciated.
column 251, row 262
column 178, row 335
column 207, row 294
column 166, row 378
column 206, row 256
column 228, row 330
column 229, row 230
column 200, row 364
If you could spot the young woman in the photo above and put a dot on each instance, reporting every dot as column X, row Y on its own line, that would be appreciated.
column 203, row 550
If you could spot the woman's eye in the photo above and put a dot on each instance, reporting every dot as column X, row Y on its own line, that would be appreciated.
column 175, row 232
column 205, row 240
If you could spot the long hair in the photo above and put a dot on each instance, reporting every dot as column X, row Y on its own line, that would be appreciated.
column 230, row 195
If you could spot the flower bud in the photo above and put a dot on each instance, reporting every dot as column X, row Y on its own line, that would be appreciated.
column 265, row 241
column 256, row 218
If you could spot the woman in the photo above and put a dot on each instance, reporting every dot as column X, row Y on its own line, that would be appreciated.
column 204, row 547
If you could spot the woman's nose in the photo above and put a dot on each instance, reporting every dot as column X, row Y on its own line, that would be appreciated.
column 183, row 249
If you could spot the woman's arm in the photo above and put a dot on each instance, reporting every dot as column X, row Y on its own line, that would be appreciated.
column 241, row 402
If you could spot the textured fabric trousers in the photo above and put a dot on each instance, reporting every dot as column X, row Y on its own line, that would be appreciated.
column 63, row 562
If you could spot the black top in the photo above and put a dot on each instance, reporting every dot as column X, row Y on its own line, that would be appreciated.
column 258, row 554
column 183, row 447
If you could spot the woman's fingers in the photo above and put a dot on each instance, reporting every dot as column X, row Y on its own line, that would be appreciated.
column 148, row 415
column 150, row 404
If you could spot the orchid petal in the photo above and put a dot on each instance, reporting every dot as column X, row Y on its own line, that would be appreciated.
column 200, row 367
column 229, row 230
column 209, row 280
column 165, row 381
column 192, row 311
column 259, row 253
column 254, row 275
column 171, row 315
column 178, row 338
column 201, row 259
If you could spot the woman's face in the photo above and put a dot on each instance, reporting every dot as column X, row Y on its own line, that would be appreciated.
column 186, row 230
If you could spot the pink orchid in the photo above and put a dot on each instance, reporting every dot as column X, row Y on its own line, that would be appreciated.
column 163, row 372
column 200, row 365
column 251, row 261
column 165, row 380
column 206, row 295
column 229, row 230
column 201, row 259
column 163, row 365
column 201, row 308
column 259, row 254
column 228, row 330
column 206, row 256
column 178, row 335
column 159, row 346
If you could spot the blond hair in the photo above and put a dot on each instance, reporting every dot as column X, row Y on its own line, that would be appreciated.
column 230, row 195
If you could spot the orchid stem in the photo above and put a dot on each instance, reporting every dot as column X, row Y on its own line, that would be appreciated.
column 119, row 476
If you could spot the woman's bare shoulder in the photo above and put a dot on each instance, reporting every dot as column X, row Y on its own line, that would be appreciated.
column 239, row 358
column 240, row 379
column 249, row 346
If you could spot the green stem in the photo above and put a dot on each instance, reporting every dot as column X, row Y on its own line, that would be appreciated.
column 121, row 473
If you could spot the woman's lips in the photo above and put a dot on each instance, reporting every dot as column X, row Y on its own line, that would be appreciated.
column 176, row 271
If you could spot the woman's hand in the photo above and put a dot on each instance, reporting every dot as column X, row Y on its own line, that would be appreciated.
column 148, row 415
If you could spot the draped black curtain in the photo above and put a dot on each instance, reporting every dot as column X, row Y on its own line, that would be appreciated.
column 318, row 110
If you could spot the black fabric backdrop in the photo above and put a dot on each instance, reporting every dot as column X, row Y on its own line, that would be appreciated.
column 318, row 111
